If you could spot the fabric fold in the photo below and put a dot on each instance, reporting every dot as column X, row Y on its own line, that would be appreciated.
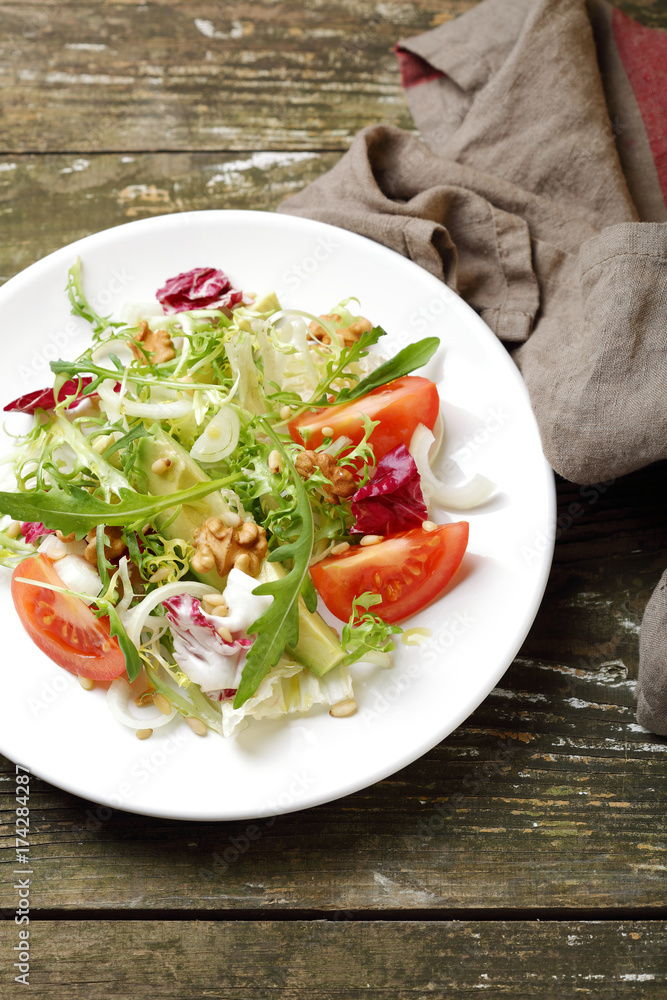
column 518, row 199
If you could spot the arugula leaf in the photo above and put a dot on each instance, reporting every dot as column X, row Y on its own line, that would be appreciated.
column 411, row 357
column 128, row 649
column 76, row 510
column 278, row 627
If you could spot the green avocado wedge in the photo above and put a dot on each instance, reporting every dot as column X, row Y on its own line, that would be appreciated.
column 318, row 648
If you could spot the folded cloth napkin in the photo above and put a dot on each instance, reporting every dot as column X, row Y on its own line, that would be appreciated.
column 540, row 197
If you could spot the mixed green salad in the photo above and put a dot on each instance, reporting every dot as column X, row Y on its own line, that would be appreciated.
column 191, row 482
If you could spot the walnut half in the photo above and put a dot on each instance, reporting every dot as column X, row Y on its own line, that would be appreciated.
column 343, row 483
column 347, row 335
column 157, row 344
column 220, row 547
column 114, row 550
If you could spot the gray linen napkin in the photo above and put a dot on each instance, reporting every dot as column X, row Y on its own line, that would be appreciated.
column 524, row 203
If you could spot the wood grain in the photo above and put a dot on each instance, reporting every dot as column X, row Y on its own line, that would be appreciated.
column 559, row 788
column 49, row 201
column 205, row 76
column 548, row 796
column 179, row 960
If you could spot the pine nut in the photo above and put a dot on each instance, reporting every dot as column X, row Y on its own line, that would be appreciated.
column 162, row 704
column 327, row 432
column 143, row 734
column 230, row 519
column 13, row 529
column 338, row 550
column 275, row 461
column 371, row 539
column 429, row 526
column 224, row 633
column 196, row 725
column 87, row 683
column 160, row 466
column 215, row 601
column 146, row 698
column 286, row 413
column 343, row 708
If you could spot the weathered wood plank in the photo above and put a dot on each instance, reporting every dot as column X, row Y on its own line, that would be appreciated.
column 182, row 76
column 169, row 75
column 48, row 201
column 562, row 794
column 544, row 798
column 178, row 960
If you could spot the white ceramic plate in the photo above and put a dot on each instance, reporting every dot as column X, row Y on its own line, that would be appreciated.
column 66, row 735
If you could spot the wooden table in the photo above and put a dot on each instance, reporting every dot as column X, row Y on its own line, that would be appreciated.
column 547, row 878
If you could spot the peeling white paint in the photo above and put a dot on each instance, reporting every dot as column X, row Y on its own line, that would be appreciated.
column 520, row 695
column 86, row 46
column 399, row 892
column 208, row 30
column 89, row 79
column 258, row 161
column 7, row 166
column 636, row 977
column 76, row 167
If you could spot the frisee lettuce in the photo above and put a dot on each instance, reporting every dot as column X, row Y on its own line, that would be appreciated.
column 278, row 627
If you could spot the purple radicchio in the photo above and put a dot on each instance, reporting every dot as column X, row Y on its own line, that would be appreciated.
column 392, row 500
column 45, row 399
column 33, row 530
column 201, row 288
column 199, row 649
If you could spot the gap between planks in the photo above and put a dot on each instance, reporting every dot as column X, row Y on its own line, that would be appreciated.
column 463, row 914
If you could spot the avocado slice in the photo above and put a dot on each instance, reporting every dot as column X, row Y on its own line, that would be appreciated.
column 318, row 648
column 181, row 474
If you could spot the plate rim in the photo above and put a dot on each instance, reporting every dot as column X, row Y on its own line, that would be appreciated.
column 26, row 276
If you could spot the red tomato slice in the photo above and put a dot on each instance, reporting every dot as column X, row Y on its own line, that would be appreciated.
column 64, row 627
column 399, row 406
column 407, row 570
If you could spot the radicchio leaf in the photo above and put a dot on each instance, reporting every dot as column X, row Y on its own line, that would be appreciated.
column 392, row 500
column 198, row 289
column 199, row 649
column 32, row 530
column 45, row 399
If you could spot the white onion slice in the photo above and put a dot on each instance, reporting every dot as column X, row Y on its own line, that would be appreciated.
column 114, row 401
column 79, row 575
column 118, row 698
column 135, row 619
column 471, row 494
column 219, row 438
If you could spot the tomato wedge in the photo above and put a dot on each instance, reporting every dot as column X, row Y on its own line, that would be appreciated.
column 407, row 570
column 64, row 627
column 399, row 406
